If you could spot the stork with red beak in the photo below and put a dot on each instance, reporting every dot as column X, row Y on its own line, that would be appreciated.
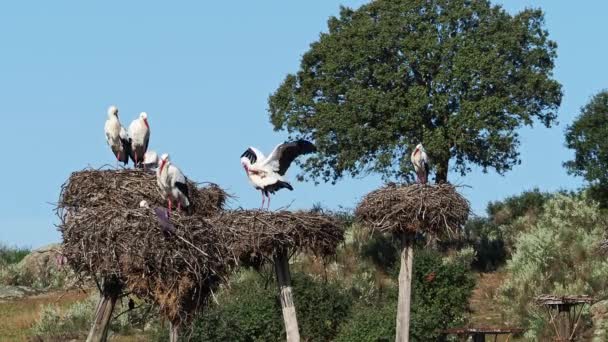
column 421, row 164
column 173, row 184
column 117, row 136
column 267, row 173
column 139, row 132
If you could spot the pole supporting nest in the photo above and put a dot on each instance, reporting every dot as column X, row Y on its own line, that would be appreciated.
column 404, row 211
column 110, row 291
column 405, row 289
column 281, row 266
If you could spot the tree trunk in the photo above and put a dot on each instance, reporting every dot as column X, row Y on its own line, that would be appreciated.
column 281, row 265
column 441, row 171
column 103, row 315
column 173, row 332
column 405, row 288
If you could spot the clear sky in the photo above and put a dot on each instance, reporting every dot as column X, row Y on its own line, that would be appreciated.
column 203, row 72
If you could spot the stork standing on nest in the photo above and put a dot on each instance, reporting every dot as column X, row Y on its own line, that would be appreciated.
column 421, row 164
column 266, row 173
column 150, row 161
column 117, row 136
column 139, row 132
column 173, row 184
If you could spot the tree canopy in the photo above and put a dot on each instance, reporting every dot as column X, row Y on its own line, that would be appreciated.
column 587, row 136
column 460, row 76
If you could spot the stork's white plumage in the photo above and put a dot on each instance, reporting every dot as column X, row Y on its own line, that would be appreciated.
column 150, row 161
column 139, row 132
column 117, row 136
column 267, row 173
column 173, row 184
column 421, row 164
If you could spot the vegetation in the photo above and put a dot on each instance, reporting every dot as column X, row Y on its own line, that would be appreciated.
column 493, row 237
column 587, row 137
column 12, row 255
column 250, row 311
column 460, row 76
column 557, row 255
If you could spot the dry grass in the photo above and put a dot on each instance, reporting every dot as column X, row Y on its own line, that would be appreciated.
column 17, row 316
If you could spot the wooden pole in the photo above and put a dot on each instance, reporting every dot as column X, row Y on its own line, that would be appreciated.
column 173, row 332
column 405, row 288
column 281, row 266
column 111, row 289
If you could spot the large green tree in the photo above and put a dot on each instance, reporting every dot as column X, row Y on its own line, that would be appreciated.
column 458, row 75
column 588, row 137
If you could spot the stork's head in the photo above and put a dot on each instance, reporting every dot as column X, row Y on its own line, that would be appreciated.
column 144, row 117
column 112, row 112
column 245, row 163
column 164, row 159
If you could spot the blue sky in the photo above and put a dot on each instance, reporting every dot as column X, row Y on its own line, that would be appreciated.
column 203, row 72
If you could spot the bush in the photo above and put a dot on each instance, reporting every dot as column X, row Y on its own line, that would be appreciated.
column 382, row 251
column 249, row 311
column 485, row 237
column 12, row 255
column 558, row 255
column 440, row 296
column 74, row 323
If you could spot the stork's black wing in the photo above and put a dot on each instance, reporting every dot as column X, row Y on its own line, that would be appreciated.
column 251, row 155
column 284, row 154
column 183, row 188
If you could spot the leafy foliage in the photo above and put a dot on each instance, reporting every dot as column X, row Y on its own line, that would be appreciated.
column 12, row 255
column 558, row 255
column 587, row 137
column 494, row 237
column 460, row 76
column 441, row 291
column 250, row 311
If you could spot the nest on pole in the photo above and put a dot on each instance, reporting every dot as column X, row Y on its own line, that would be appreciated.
column 106, row 234
column 414, row 208
column 125, row 188
column 261, row 233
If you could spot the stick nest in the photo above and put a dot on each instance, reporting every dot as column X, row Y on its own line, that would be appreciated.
column 262, row 232
column 106, row 234
column 414, row 208
column 125, row 188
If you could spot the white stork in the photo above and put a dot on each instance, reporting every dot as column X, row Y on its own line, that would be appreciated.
column 266, row 173
column 173, row 184
column 117, row 136
column 139, row 132
column 150, row 161
column 421, row 164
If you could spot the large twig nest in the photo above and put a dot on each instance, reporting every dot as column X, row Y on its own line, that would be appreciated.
column 262, row 232
column 125, row 188
column 105, row 234
column 414, row 208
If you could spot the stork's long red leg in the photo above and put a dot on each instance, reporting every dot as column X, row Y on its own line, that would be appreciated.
column 170, row 205
column 263, row 200
column 268, row 202
column 179, row 205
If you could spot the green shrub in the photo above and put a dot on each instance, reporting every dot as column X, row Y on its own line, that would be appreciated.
column 558, row 255
column 12, row 255
column 74, row 323
column 374, row 322
column 248, row 311
column 382, row 251
column 440, row 296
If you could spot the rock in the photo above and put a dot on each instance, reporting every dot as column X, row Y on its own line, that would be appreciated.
column 13, row 292
column 44, row 267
